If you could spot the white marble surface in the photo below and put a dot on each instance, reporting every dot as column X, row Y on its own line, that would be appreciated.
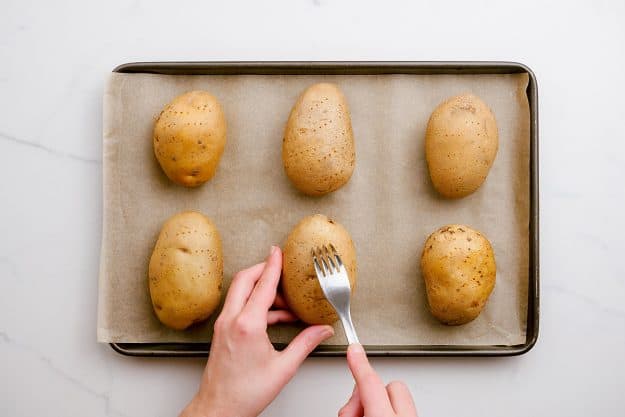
column 54, row 59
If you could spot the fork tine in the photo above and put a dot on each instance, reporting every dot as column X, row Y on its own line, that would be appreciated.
column 336, row 256
column 318, row 269
column 319, row 257
column 329, row 257
column 324, row 262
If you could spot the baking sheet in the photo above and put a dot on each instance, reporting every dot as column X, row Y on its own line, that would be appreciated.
column 388, row 206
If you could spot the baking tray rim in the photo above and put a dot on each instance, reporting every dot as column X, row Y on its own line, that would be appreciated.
column 372, row 68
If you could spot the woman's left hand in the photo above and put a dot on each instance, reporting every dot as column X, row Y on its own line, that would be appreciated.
column 244, row 372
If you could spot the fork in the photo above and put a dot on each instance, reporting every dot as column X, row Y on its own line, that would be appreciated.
column 334, row 283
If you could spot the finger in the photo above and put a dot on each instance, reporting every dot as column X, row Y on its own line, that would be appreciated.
column 279, row 302
column 353, row 407
column 301, row 346
column 264, row 293
column 280, row 316
column 373, row 393
column 240, row 289
column 401, row 399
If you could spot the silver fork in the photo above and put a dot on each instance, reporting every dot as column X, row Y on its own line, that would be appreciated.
column 334, row 282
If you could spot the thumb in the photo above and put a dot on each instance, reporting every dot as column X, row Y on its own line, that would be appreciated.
column 304, row 343
column 353, row 407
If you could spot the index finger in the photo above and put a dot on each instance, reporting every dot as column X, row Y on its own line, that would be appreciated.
column 264, row 292
column 372, row 391
column 240, row 289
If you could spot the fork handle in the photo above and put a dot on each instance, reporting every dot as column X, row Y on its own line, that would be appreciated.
column 350, row 331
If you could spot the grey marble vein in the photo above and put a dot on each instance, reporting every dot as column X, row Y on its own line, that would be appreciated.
column 105, row 396
column 52, row 151
column 9, row 266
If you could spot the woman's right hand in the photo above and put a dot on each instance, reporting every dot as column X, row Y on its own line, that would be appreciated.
column 370, row 396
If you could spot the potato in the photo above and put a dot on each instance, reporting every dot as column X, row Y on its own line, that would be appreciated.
column 186, row 270
column 318, row 146
column 461, row 143
column 189, row 138
column 458, row 266
column 299, row 282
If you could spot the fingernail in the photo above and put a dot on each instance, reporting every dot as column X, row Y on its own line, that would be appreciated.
column 273, row 250
column 328, row 331
column 357, row 348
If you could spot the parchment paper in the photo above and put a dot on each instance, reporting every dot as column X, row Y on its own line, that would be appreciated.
column 389, row 205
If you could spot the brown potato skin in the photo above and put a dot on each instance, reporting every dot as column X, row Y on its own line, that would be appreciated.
column 318, row 150
column 186, row 270
column 461, row 143
column 301, row 289
column 189, row 138
column 458, row 266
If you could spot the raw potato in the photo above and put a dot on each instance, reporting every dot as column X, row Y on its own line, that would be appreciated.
column 318, row 146
column 461, row 143
column 299, row 282
column 459, row 269
column 186, row 270
column 189, row 138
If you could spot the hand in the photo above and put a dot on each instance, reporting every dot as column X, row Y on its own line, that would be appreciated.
column 370, row 396
column 244, row 372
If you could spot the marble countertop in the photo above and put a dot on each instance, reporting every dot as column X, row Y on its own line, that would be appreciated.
column 54, row 60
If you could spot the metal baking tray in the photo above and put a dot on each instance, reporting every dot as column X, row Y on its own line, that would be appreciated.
column 371, row 68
